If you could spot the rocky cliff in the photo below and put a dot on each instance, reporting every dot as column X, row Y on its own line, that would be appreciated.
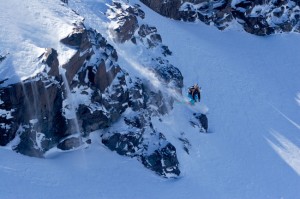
column 256, row 17
column 60, row 106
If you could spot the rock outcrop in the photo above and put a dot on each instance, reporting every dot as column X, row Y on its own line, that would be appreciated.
column 90, row 92
column 33, row 110
column 256, row 17
column 61, row 106
column 140, row 139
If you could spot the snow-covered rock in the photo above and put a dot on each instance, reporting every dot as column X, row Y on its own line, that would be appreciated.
column 256, row 17
column 59, row 106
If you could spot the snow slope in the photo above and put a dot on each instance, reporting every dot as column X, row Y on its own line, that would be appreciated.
column 252, row 150
column 27, row 28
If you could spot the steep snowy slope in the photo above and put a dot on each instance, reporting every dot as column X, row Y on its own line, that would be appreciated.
column 252, row 150
column 27, row 28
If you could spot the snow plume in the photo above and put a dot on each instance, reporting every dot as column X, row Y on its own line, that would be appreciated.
column 287, row 150
column 298, row 99
column 287, row 118
column 147, row 73
column 142, row 70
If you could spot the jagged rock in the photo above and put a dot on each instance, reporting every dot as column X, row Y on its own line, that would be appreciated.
column 70, row 143
column 33, row 110
column 163, row 161
column 50, row 58
column 137, row 97
column 169, row 74
column 34, row 106
column 2, row 58
column 145, row 30
column 142, row 141
column 201, row 122
column 186, row 143
column 257, row 17
column 101, row 80
column 166, row 8
column 44, row 111
column 30, row 143
column 124, row 144
column 65, row 1
column 126, row 30
column 92, row 120
column 76, row 38
column 79, row 39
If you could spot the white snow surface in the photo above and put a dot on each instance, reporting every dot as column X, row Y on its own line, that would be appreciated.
column 250, row 84
column 27, row 28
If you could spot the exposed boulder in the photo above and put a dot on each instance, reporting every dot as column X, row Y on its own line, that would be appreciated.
column 145, row 30
column 50, row 59
column 200, row 121
column 124, row 144
column 140, row 140
column 79, row 39
column 2, row 57
column 70, row 143
column 76, row 38
column 163, row 161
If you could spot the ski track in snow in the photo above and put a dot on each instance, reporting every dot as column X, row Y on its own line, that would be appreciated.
column 250, row 84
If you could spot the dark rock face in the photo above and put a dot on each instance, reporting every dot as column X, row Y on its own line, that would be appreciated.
column 200, row 121
column 52, row 61
column 78, row 39
column 2, row 57
column 33, row 112
column 127, row 23
column 257, row 17
column 163, row 161
column 165, row 8
column 70, row 143
column 124, row 144
column 147, row 36
column 60, row 108
column 65, row 1
column 142, row 141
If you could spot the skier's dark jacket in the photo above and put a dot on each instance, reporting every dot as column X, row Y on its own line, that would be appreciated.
column 193, row 91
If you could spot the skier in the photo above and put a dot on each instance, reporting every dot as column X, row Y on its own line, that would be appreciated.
column 194, row 91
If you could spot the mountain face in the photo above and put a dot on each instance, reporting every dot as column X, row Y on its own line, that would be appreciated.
column 256, row 17
column 60, row 106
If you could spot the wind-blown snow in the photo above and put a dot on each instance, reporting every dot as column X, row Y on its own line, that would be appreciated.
column 27, row 28
column 250, row 84
column 287, row 150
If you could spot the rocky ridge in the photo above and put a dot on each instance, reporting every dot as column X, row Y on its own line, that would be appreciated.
column 256, row 17
column 62, row 105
